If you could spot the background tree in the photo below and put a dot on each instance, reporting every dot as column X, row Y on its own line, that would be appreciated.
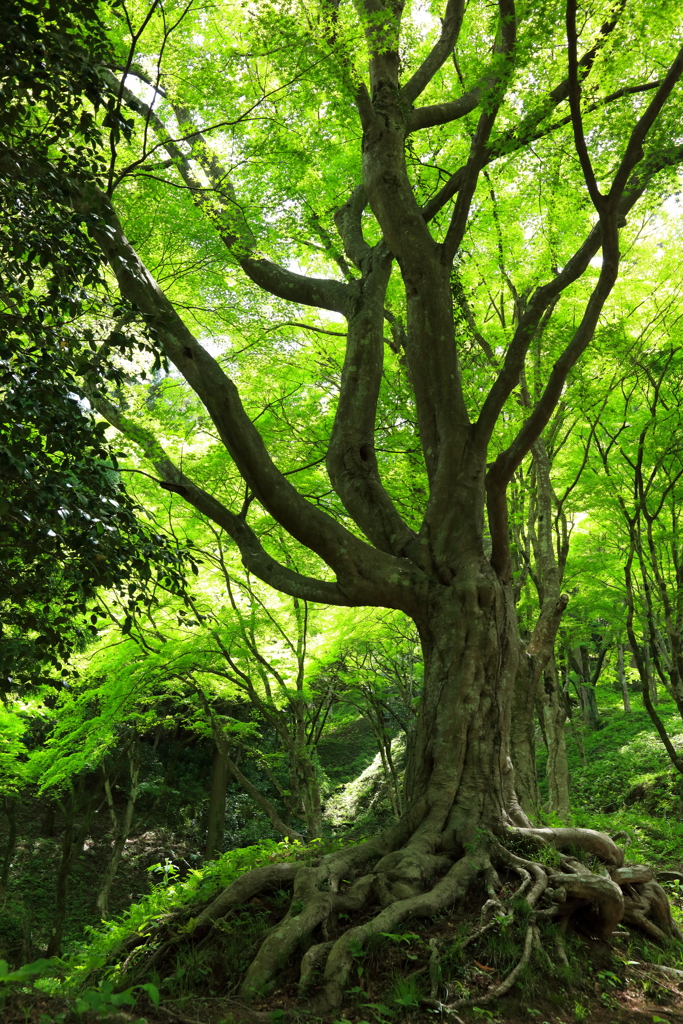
column 641, row 461
column 376, row 667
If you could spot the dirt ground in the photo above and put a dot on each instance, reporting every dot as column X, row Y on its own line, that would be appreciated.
column 627, row 1007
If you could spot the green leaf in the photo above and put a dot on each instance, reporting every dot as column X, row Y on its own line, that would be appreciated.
column 122, row 998
column 24, row 972
column 152, row 991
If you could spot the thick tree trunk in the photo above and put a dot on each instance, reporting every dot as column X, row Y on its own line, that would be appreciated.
column 219, row 785
column 459, row 774
column 460, row 781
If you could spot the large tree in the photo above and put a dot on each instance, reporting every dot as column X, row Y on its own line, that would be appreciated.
column 407, row 151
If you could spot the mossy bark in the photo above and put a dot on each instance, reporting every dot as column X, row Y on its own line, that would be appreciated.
column 459, row 776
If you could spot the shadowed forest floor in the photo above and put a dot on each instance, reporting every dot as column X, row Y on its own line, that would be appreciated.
column 610, row 991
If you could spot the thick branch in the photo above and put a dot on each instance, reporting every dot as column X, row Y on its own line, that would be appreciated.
column 542, row 641
column 254, row 556
column 444, row 113
column 358, row 566
column 222, row 208
column 450, row 30
column 351, row 457
column 430, row 349
column 348, row 222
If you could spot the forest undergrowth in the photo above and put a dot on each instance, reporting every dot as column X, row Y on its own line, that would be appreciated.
column 117, row 969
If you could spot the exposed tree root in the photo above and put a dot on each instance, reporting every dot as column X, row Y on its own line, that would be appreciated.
column 243, row 889
column 586, row 839
column 400, row 875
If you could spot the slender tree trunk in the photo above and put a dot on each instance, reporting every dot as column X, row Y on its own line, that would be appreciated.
column 219, row 786
column 651, row 677
column 589, row 706
column 533, row 661
column 62, row 882
column 398, row 796
column 523, row 735
column 72, row 845
column 622, row 677
column 306, row 781
column 47, row 828
column 528, row 689
column 388, row 768
column 666, row 674
column 266, row 805
column 311, row 796
column 10, row 809
column 554, row 714
column 122, row 831
column 585, row 688
column 161, row 794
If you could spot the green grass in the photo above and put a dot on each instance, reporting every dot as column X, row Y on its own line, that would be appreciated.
column 627, row 782
column 625, row 753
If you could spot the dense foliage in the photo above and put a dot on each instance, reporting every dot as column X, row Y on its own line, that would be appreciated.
column 340, row 449
column 67, row 524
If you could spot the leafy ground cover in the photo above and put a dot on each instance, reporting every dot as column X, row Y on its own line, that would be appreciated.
column 626, row 980
column 623, row 781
